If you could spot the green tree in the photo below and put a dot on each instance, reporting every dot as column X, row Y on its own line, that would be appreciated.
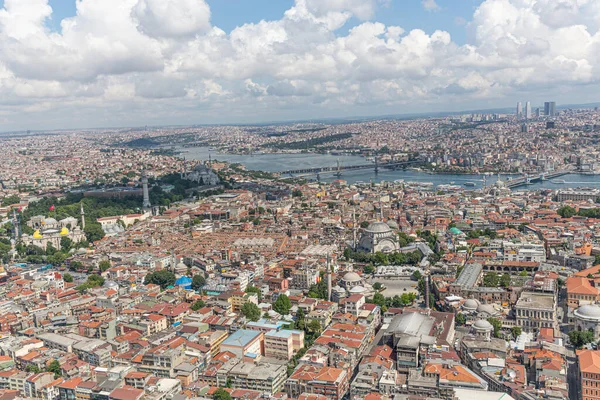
column 282, row 305
column 198, row 282
column 505, row 280
column 497, row 326
column 416, row 275
column 460, row 319
column 516, row 331
column 163, row 278
column 66, row 244
column 377, row 286
column 581, row 338
column 251, row 311
column 67, row 277
column 198, row 304
column 104, row 265
column 296, row 193
column 379, row 299
column 93, row 232
column 255, row 290
column 368, row 269
column 54, row 367
column 221, row 394
column 491, row 279
column 314, row 327
column 33, row 369
column 566, row 211
column 300, row 322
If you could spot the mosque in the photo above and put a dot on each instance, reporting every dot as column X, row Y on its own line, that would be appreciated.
column 202, row 174
column 48, row 230
column 351, row 283
column 379, row 237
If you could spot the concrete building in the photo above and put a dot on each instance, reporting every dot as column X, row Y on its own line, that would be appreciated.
column 283, row 344
column 333, row 383
column 588, row 362
column 578, row 194
column 536, row 310
column 244, row 342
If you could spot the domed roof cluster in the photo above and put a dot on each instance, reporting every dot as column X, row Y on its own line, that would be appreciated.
column 352, row 277
column 588, row 311
column 470, row 305
column 378, row 227
column 482, row 324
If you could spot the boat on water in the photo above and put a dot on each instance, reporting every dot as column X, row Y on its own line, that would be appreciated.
column 452, row 183
column 470, row 184
column 398, row 181
column 558, row 181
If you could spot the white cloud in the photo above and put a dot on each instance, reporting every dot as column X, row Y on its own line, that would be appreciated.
column 430, row 5
column 163, row 59
column 172, row 18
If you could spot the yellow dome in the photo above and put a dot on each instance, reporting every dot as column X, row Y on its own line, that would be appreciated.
column 37, row 235
column 64, row 231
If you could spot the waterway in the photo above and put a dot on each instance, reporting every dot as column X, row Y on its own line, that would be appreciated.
column 283, row 162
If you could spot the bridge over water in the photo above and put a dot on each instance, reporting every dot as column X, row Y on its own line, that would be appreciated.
column 527, row 179
column 338, row 169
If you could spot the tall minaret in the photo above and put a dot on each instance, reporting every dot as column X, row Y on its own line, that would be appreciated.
column 146, row 204
column 82, row 217
column 16, row 225
column 328, row 279
column 427, row 294
column 354, row 229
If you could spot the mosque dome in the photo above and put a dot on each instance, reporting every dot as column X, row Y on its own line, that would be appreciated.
column 482, row 324
column 486, row 308
column 50, row 221
column 588, row 311
column 357, row 289
column 392, row 224
column 378, row 227
column 352, row 277
column 471, row 304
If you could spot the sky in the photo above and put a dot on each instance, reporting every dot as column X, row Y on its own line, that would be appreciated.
column 67, row 64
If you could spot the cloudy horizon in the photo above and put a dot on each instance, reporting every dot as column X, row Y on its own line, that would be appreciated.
column 92, row 63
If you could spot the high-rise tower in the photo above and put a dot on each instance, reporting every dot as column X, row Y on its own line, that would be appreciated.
column 146, row 204
column 528, row 114
column 519, row 110
column 550, row 108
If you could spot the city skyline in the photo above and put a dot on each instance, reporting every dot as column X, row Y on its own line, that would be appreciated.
column 297, row 60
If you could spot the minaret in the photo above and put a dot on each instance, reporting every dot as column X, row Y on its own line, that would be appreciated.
column 82, row 217
column 427, row 288
column 328, row 279
column 146, row 204
column 354, row 229
column 16, row 225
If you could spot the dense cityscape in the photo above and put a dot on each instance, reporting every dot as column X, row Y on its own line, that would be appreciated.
column 299, row 199
column 132, row 270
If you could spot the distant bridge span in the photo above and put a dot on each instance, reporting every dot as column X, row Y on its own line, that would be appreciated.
column 340, row 168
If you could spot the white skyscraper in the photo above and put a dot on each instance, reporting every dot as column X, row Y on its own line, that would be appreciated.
column 528, row 114
column 519, row 110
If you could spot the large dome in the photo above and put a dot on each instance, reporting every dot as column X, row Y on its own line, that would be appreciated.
column 393, row 224
column 378, row 227
column 588, row 311
column 352, row 277
column 471, row 304
column 487, row 309
column 482, row 324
